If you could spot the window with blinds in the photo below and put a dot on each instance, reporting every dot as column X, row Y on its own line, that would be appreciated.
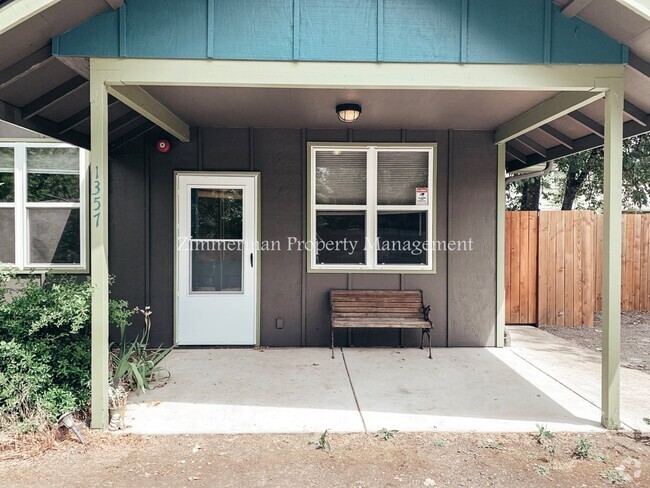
column 42, row 206
column 372, row 208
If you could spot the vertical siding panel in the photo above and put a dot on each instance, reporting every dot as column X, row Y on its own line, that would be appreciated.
column 588, row 254
column 532, row 267
column 645, row 262
column 570, row 292
column 509, row 254
column 542, row 270
column 523, row 268
column 514, row 278
column 559, row 269
column 636, row 268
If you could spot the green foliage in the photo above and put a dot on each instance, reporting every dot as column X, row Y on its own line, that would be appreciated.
column 647, row 420
column 543, row 434
column 386, row 434
column 578, row 180
column 44, row 349
column 440, row 443
column 614, row 477
column 133, row 365
column 582, row 449
column 543, row 471
column 323, row 442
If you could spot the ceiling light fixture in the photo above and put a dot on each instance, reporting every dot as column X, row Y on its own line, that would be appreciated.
column 348, row 112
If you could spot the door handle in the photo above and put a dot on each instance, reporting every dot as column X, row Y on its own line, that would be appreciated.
column 251, row 260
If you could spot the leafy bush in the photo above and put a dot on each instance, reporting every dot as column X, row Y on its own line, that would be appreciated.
column 45, row 348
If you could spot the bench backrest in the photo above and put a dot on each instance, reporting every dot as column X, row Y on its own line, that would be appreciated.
column 382, row 303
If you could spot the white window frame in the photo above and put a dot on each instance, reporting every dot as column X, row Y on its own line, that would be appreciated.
column 371, row 208
column 21, row 210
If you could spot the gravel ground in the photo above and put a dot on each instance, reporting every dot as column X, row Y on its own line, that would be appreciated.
column 635, row 338
column 355, row 460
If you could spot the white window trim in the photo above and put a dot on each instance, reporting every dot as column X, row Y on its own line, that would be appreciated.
column 371, row 208
column 21, row 214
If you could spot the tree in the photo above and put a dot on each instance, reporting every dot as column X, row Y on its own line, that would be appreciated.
column 577, row 182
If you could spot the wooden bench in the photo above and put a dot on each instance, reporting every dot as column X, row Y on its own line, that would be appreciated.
column 379, row 309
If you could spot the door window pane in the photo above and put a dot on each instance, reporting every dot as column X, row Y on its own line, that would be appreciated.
column 218, row 268
column 399, row 173
column 341, row 177
column 340, row 237
column 217, row 213
column 402, row 237
column 7, row 236
column 6, row 174
column 52, row 174
column 54, row 236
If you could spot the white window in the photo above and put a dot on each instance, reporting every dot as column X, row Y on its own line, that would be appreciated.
column 42, row 206
column 372, row 208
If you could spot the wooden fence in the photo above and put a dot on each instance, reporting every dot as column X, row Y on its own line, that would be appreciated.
column 554, row 266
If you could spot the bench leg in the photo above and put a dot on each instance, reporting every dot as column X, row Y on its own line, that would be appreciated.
column 422, row 339
column 332, row 331
column 429, row 334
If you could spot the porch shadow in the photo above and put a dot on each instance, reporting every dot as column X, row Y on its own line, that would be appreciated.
column 303, row 390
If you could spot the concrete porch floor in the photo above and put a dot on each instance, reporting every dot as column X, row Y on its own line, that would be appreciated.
column 540, row 380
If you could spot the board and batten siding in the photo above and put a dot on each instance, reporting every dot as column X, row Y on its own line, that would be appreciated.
column 461, row 293
column 429, row 31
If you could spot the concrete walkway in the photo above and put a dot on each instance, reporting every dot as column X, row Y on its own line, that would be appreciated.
column 541, row 379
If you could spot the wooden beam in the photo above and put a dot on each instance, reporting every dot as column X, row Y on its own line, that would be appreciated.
column 80, row 117
column 24, row 67
column 635, row 113
column 518, row 155
column 53, row 96
column 612, row 218
column 81, row 66
column 639, row 7
column 591, row 141
column 131, row 135
column 563, row 139
column 544, row 113
column 588, row 122
column 356, row 75
column 12, row 114
column 574, row 7
column 531, row 144
column 146, row 105
column 639, row 64
column 501, row 246
column 15, row 13
column 120, row 122
column 98, row 172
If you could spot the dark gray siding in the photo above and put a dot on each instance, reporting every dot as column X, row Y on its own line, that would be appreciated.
column 142, row 247
column 472, row 213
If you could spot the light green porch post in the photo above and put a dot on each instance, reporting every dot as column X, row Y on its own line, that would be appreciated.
column 611, row 387
column 501, row 244
column 99, row 247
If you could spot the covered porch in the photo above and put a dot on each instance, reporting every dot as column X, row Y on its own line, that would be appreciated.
column 288, row 390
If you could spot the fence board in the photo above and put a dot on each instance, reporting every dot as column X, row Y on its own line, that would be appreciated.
column 521, row 267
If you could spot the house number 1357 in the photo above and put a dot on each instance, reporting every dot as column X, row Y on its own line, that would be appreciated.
column 97, row 205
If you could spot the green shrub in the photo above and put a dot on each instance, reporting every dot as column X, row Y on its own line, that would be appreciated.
column 45, row 349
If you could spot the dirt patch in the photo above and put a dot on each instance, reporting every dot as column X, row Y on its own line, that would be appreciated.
column 359, row 460
column 635, row 338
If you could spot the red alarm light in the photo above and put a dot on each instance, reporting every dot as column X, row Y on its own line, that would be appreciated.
column 163, row 145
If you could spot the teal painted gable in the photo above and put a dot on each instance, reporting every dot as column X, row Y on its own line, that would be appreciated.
column 432, row 31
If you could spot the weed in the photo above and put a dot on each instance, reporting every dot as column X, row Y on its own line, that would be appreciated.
column 614, row 477
column 543, row 434
column 322, row 442
column 646, row 420
column 440, row 443
column 550, row 449
column 543, row 471
column 582, row 449
column 386, row 434
column 490, row 444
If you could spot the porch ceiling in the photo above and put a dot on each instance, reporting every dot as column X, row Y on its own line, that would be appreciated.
column 315, row 108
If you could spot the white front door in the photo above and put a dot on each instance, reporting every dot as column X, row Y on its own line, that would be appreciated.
column 216, row 259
